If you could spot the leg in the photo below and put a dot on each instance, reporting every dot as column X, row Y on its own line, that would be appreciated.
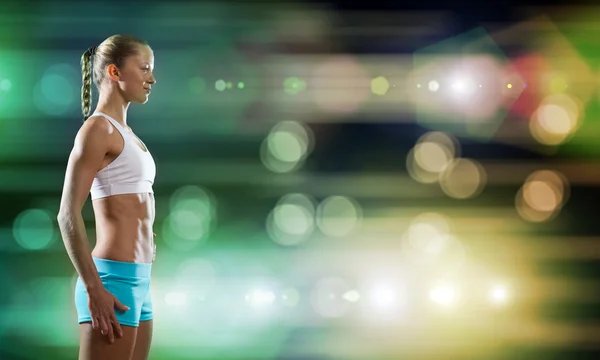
column 144, row 335
column 95, row 346
column 143, row 341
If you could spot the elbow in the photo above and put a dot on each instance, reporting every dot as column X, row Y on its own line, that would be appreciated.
column 64, row 216
column 61, row 218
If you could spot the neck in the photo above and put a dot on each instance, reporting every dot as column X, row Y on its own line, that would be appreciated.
column 112, row 104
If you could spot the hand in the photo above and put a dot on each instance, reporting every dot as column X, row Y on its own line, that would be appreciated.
column 102, row 306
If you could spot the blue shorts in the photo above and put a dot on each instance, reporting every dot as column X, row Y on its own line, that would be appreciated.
column 128, row 282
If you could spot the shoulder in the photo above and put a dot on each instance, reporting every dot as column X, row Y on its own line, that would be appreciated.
column 94, row 132
column 96, row 124
column 96, row 127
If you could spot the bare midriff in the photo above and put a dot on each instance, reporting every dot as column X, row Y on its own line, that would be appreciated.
column 124, row 227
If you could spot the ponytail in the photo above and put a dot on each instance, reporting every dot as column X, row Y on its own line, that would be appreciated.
column 86, row 79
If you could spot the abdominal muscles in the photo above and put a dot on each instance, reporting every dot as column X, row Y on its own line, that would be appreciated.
column 124, row 227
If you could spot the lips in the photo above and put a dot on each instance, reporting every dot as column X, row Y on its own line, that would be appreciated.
column 147, row 90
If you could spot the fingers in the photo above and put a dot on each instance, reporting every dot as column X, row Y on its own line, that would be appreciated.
column 103, row 325
column 109, row 325
column 116, row 325
column 111, row 334
column 104, row 317
column 120, row 306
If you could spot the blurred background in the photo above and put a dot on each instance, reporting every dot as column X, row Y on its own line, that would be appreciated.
column 334, row 180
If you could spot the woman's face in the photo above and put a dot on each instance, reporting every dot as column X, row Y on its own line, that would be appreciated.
column 136, row 77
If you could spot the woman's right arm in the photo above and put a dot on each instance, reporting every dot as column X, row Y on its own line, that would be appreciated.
column 87, row 155
column 91, row 145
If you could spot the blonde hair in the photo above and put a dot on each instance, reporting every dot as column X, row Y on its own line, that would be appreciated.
column 114, row 50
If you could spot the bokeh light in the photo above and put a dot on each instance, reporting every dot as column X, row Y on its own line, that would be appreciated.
column 5, row 85
column 220, row 85
column 429, row 240
column 292, row 220
column 431, row 155
column 467, row 91
column 463, row 178
column 290, row 297
column 433, row 86
column 260, row 297
column 463, row 86
column 385, row 299
column 445, row 295
column 57, row 89
column 316, row 244
column 556, row 119
column 327, row 297
column 499, row 294
column 352, row 296
column 33, row 229
column 191, row 218
column 427, row 236
column 542, row 196
column 338, row 216
column 380, row 85
column 287, row 146
column 416, row 172
column 293, row 85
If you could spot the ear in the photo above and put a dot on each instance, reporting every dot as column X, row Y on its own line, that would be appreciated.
column 113, row 73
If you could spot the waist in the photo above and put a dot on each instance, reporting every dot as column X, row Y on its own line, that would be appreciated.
column 125, row 269
column 104, row 190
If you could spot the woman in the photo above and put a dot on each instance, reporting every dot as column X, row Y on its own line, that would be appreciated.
column 112, row 294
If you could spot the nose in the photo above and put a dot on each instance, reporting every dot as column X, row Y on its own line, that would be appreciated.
column 151, row 80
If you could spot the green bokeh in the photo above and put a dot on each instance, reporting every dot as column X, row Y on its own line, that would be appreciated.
column 583, row 143
column 41, row 92
column 220, row 85
column 191, row 218
column 57, row 90
column 286, row 146
column 33, row 229
column 5, row 85
column 294, row 85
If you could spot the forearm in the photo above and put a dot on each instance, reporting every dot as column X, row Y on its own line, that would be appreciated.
column 76, row 243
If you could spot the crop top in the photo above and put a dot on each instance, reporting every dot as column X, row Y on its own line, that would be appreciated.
column 131, row 172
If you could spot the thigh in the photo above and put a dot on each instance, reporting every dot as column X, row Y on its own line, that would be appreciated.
column 143, row 341
column 95, row 346
column 129, row 294
column 147, row 313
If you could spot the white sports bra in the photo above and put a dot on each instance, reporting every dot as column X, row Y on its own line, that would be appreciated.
column 132, row 172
